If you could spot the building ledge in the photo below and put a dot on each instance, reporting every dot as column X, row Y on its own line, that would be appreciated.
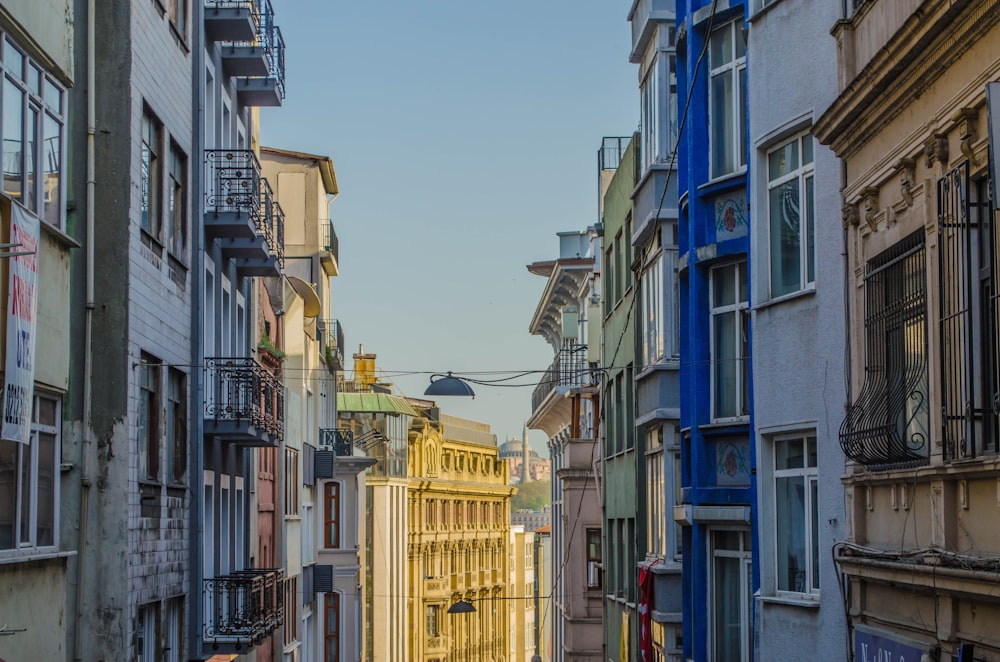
column 789, row 601
column 28, row 557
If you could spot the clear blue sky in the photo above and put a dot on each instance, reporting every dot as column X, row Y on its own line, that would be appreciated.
column 464, row 135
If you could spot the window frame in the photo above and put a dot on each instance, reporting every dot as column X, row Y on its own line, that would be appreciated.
column 594, row 542
column 148, row 617
column 809, row 473
column 177, row 189
column 735, row 69
column 331, row 610
column 27, row 458
column 291, row 505
column 334, row 501
column 804, row 174
column 151, row 175
column 149, row 430
column 42, row 101
column 740, row 307
column 177, row 424
column 744, row 557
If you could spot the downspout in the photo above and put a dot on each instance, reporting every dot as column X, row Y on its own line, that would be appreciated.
column 88, row 360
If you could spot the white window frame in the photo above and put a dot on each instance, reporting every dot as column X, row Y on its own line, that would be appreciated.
column 654, row 303
column 650, row 95
column 29, row 453
column 810, row 477
column 744, row 554
column 735, row 68
column 657, row 525
column 803, row 173
column 740, row 307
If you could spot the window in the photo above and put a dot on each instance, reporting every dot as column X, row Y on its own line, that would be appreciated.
column 730, row 341
column 790, row 215
column 728, row 112
column 177, row 426
column 175, row 630
column 177, row 12
column 651, row 286
column 620, row 267
column 658, row 97
column 796, row 515
column 149, row 418
column 431, row 620
column 594, row 567
column 331, row 515
column 888, row 422
column 291, row 482
column 151, row 176
column 609, row 279
column 291, row 611
column 656, row 494
column 729, row 596
column 32, row 127
column 29, row 482
column 147, row 633
column 177, row 199
column 969, row 267
column 331, row 629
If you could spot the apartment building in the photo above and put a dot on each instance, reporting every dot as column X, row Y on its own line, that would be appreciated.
column 797, row 327
column 566, row 406
column 921, row 430
column 40, row 472
column 522, row 608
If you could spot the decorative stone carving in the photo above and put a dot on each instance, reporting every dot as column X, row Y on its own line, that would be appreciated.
column 849, row 215
column 869, row 199
column 936, row 149
column 906, row 168
column 965, row 120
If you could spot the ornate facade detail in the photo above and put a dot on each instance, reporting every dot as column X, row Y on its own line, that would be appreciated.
column 936, row 149
column 849, row 215
column 869, row 200
column 906, row 168
column 965, row 120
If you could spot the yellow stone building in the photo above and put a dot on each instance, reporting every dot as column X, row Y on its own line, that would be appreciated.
column 459, row 539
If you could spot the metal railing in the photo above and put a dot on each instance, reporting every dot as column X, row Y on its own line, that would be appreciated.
column 244, row 606
column 333, row 339
column 268, row 36
column 240, row 388
column 233, row 182
column 331, row 243
column 340, row 441
column 570, row 368
column 272, row 225
column 609, row 156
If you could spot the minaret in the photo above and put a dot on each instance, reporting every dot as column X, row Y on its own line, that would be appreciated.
column 526, row 460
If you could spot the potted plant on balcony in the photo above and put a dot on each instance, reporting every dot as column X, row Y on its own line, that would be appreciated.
column 266, row 345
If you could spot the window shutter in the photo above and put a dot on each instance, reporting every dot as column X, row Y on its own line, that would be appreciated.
column 323, row 464
column 322, row 578
column 308, row 465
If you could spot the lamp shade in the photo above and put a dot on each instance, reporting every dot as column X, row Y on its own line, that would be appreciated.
column 449, row 385
column 462, row 607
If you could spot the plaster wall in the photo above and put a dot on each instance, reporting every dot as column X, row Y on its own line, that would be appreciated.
column 33, row 595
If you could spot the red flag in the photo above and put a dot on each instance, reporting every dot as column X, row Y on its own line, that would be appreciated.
column 645, row 613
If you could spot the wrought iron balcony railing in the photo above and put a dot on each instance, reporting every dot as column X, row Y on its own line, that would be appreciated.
column 332, row 345
column 330, row 242
column 240, row 390
column 244, row 607
column 340, row 441
column 272, row 226
column 233, row 182
column 264, row 34
column 570, row 369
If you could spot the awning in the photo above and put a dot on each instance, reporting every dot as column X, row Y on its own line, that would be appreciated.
column 374, row 403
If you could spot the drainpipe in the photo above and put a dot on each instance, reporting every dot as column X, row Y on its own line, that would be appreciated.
column 88, row 360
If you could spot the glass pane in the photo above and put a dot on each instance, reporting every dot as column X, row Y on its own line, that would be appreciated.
column 721, row 122
column 788, row 455
column 13, row 158
column 8, row 492
column 26, row 489
column 741, row 44
column 728, row 540
column 34, row 79
column 724, row 360
column 810, row 233
column 727, row 603
column 31, row 165
column 783, row 160
column 740, row 138
column 742, row 273
column 722, row 47
column 13, row 59
column 44, row 411
column 52, row 171
column 786, row 267
column 52, row 95
column 811, row 451
column 46, row 490
column 814, row 514
column 723, row 287
column 790, row 527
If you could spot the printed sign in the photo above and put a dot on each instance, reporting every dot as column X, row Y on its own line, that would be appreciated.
column 871, row 645
column 22, row 305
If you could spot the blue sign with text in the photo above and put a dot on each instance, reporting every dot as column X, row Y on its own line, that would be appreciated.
column 872, row 645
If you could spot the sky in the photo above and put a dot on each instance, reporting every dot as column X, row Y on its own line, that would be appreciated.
column 464, row 135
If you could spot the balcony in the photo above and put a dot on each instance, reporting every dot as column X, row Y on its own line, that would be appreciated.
column 231, row 20
column 242, row 609
column 244, row 402
column 340, row 441
column 329, row 255
column 570, row 369
column 268, row 88
column 241, row 213
column 644, row 17
column 331, row 344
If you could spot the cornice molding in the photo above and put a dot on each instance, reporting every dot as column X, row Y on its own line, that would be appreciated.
column 922, row 50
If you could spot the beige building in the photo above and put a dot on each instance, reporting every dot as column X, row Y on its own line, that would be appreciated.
column 459, row 539
column 523, row 608
column 922, row 249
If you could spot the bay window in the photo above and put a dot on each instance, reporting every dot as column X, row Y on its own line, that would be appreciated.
column 796, row 514
column 727, row 99
column 730, row 346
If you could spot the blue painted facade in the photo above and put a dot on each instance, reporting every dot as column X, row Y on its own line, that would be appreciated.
column 717, row 454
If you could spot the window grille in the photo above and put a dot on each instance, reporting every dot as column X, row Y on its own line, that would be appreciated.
column 969, row 316
column 887, row 426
